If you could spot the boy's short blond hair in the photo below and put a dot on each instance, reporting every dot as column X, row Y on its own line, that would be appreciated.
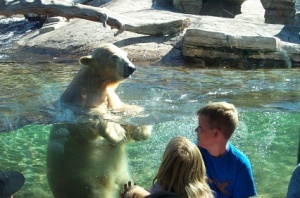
column 221, row 115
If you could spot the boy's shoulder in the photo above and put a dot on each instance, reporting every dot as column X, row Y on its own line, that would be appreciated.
column 238, row 154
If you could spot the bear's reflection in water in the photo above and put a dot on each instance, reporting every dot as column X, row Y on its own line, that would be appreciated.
column 88, row 158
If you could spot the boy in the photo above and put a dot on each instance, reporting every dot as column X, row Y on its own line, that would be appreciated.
column 229, row 171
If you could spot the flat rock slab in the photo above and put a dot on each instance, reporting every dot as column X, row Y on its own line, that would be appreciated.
column 200, row 37
column 242, row 51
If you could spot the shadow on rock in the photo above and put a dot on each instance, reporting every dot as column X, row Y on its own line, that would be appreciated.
column 289, row 34
column 220, row 8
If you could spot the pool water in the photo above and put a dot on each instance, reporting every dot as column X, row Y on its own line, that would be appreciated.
column 267, row 100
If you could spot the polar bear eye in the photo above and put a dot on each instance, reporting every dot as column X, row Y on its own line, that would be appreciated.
column 114, row 56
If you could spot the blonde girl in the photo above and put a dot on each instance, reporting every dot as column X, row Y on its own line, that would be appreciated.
column 182, row 170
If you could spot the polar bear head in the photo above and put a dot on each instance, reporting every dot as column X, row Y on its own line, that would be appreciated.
column 109, row 63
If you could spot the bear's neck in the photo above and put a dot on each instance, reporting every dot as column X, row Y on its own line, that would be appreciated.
column 85, row 90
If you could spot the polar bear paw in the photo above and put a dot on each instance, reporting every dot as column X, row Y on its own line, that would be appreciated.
column 139, row 133
column 112, row 132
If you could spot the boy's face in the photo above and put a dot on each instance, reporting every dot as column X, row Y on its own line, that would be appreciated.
column 205, row 134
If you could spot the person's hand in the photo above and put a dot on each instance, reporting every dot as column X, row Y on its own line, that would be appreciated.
column 133, row 191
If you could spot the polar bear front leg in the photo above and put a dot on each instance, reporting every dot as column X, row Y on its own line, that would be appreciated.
column 111, row 131
column 114, row 102
column 116, row 105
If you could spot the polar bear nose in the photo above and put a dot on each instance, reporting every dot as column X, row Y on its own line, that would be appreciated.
column 128, row 70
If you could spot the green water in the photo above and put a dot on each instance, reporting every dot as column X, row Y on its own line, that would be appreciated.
column 268, row 132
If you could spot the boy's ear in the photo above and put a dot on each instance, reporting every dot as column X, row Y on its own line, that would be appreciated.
column 217, row 132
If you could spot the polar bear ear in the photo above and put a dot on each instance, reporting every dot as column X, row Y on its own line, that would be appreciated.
column 85, row 60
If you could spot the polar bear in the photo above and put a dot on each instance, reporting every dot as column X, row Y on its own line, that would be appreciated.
column 88, row 158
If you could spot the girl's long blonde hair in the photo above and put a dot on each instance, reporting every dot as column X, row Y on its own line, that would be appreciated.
column 182, row 170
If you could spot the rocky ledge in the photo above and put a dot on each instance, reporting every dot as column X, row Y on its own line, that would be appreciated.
column 243, row 41
column 259, row 48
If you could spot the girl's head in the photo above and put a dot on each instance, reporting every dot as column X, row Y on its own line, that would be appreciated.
column 182, row 169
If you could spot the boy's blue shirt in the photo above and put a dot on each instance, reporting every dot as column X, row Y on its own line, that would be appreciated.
column 229, row 175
